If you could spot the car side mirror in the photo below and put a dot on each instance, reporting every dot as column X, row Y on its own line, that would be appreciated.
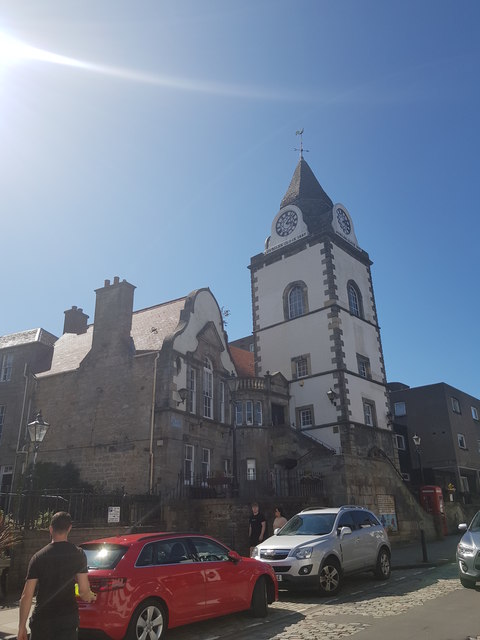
column 275, row 531
column 344, row 531
column 234, row 557
column 462, row 527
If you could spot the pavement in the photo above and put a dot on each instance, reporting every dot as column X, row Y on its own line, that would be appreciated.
column 409, row 556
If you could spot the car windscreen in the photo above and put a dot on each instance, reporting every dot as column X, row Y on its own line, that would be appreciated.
column 475, row 523
column 309, row 524
column 102, row 555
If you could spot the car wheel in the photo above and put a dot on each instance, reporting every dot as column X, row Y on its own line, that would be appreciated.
column 260, row 599
column 467, row 583
column 149, row 621
column 330, row 577
column 383, row 567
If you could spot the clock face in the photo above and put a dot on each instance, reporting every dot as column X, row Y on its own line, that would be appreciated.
column 286, row 223
column 343, row 221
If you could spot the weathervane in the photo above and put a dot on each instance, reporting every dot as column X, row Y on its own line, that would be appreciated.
column 300, row 133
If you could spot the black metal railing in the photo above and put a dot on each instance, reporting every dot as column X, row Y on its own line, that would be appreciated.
column 277, row 483
column 34, row 509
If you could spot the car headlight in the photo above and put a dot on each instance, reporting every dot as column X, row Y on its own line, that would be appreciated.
column 303, row 553
column 255, row 553
column 465, row 549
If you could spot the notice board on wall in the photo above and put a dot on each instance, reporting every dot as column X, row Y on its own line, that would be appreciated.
column 386, row 512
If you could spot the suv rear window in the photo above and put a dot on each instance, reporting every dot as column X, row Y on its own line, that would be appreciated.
column 103, row 556
column 309, row 524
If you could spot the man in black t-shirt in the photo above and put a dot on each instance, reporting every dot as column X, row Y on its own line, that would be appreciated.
column 53, row 571
column 256, row 527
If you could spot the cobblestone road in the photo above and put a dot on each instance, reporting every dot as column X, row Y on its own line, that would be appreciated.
column 306, row 616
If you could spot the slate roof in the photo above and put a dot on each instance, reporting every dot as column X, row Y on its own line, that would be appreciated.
column 150, row 327
column 27, row 337
column 243, row 361
column 306, row 192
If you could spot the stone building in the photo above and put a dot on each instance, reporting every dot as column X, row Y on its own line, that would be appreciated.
column 144, row 401
column 22, row 355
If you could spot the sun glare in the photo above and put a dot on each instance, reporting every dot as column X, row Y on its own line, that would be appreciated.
column 12, row 51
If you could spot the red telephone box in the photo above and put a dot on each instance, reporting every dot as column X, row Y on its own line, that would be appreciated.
column 431, row 499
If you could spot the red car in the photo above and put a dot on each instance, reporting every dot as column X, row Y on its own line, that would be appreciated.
column 146, row 583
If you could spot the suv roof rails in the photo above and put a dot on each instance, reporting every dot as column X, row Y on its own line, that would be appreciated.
column 343, row 506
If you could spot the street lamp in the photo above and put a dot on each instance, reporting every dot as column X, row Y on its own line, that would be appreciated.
column 233, row 384
column 36, row 431
column 416, row 441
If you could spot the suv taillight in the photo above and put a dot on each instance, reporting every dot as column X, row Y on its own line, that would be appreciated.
column 98, row 585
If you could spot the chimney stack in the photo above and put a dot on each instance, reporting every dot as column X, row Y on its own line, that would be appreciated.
column 113, row 318
column 75, row 321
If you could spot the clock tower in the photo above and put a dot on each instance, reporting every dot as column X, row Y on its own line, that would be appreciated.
column 315, row 321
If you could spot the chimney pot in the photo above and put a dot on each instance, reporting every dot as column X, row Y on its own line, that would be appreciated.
column 75, row 321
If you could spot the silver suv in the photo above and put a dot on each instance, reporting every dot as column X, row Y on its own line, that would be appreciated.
column 317, row 547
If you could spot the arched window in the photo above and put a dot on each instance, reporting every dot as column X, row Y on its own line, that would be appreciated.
column 295, row 300
column 207, row 389
column 355, row 300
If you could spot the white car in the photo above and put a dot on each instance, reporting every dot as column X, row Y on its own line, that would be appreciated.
column 319, row 546
column 468, row 553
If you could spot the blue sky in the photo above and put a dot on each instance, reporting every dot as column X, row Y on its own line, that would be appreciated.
column 163, row 157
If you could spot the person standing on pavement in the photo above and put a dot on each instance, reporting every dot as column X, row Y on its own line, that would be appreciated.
column 256, row 527
column 280, row 518
column 53, row 571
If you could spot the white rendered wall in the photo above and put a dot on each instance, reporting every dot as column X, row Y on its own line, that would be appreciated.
column 205, row 310
column 274, row 278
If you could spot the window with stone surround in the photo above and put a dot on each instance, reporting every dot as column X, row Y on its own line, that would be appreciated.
column 474, row 413
column 239, row 413
column 363, row 364
column 251, row 469
column 305, row 417
column 222, row 401
column 207, row 389
column 249, row 412
column 206, row 455
column 369, row 413
column 462, row 443
column 295, row 300
column 258, row 413
column 355, row 299
column 188, row 464
column 3, row 409
column 6, row 364
column 192, row 391
column 300, row 366
column 400, row 442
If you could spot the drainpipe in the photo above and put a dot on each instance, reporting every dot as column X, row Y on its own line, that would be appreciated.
column 20, row 429
column 152, row 425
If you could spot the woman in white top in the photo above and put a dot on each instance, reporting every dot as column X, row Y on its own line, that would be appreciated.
column 280, row 519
